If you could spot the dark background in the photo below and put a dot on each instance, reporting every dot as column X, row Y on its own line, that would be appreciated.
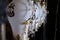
column 50, row 31
column 52, row 25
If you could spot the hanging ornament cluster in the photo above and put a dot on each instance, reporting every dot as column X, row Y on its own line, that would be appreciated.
column 32, row 15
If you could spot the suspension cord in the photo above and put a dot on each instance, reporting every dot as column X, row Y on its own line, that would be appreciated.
column 56, row 19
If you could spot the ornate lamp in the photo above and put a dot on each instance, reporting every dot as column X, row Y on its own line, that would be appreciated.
column 25, row 17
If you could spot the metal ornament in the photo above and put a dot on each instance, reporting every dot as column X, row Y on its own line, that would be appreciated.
column 26, row 17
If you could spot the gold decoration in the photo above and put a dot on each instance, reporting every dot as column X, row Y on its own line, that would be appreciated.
column 18, row 37
column 25, row 30
column 27, row 22
column 44, row 4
